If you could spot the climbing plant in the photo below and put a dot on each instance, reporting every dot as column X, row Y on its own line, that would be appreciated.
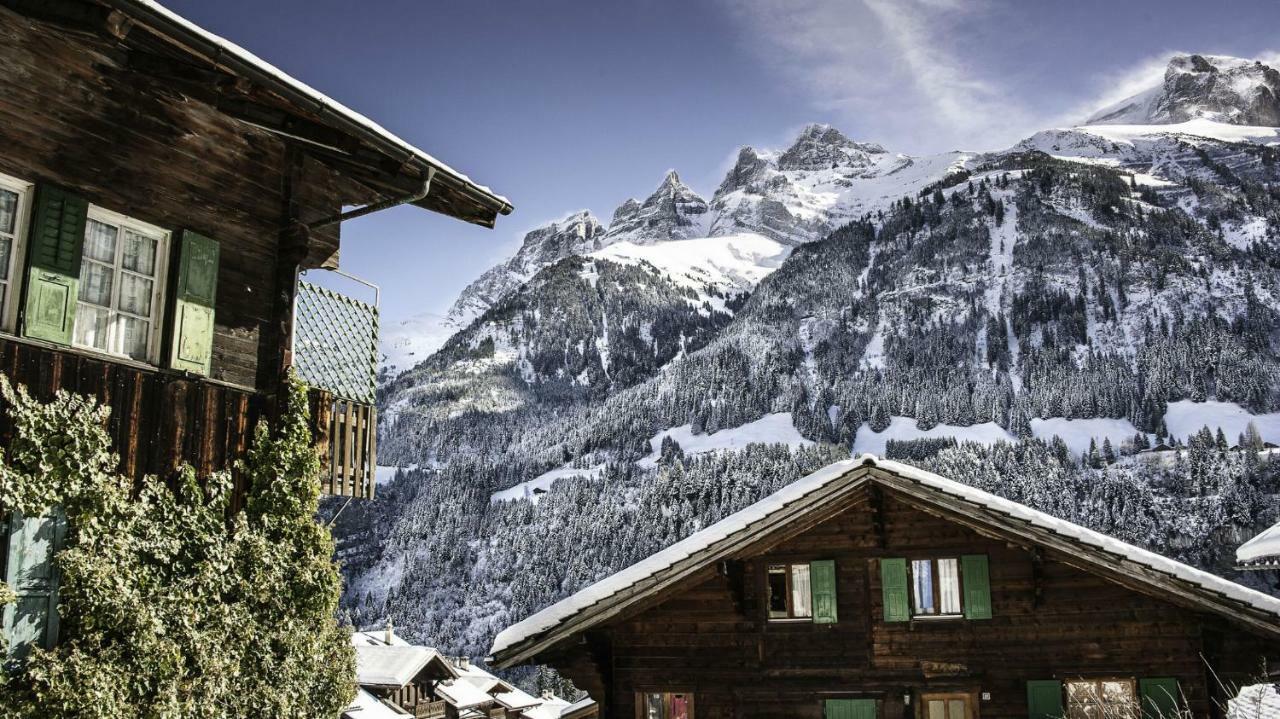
column 170, row 607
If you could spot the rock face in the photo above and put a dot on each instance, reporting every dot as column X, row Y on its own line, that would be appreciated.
column 577, row 234
column 673, row 212
column 1213, row 87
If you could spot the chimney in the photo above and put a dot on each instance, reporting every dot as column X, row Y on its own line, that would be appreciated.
column 389, row 632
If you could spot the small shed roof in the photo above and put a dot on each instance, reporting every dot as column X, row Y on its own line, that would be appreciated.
column 613, row 595
column 391, row 666
column 1262, row 550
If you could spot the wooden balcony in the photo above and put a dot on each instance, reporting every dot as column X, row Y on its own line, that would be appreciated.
column 430, row 710
column 346, row 432
column 160, row 419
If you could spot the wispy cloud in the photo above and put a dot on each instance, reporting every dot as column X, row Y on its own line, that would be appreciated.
column 893, row 67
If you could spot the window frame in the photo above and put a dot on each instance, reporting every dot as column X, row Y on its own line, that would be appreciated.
column 642, row 703
column 791, row 617
column 1132, row 682
column 159, row 285
column 937, row 588
column 18, row 251
column 969, row 699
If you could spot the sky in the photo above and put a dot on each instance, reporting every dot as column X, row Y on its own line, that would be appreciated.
column 562, row 106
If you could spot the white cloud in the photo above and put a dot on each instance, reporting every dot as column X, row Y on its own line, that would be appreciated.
column 891, row 68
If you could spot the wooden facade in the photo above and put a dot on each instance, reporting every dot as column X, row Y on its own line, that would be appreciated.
column 1054, row 620
column 119, row 108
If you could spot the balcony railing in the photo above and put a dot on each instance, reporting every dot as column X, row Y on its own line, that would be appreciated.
column 335, row 351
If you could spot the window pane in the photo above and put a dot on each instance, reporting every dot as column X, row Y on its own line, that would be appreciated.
column 1117, row 691
column 1080, row 692
column 6, row 246
column 139, row 253
column 653, row 706
column 955, row 709
column 922, row 585
column 949, row 585
column 91, row 326
column 135, row 294
column 777, row 591
column 95, row 283
column 100, row 241
column 801, row 592
column 679, row 706
column 937, row 709
column 8, row 210
column 134, row 334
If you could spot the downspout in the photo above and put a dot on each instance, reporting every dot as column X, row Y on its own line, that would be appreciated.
column 377, row 206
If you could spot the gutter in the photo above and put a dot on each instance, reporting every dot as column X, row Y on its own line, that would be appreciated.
column 376, row 206
column 225, row 54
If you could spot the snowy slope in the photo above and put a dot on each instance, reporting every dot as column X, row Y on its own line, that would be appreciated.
column 1185, row 418
column 774, row 428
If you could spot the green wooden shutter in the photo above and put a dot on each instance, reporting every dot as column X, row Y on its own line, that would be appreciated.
column 32, row 620
column 1159, row 697
column 893, row 585
column 849, row 709
column 977, row 586
column 194, row 304
column 53, row 264
column 1044, row 699
column 822, row 579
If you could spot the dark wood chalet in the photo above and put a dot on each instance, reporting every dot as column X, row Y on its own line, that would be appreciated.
column 874, row 589
column 160, row 191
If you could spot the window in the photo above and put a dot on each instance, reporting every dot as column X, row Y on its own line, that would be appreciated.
column 1114, row 698
column 935, row 587
column 121, row 269
column 947, row 706
column 665, row 705
column 15, row 198
column 790, row 592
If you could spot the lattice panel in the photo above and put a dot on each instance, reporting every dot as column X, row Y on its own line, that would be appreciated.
column 336, row 343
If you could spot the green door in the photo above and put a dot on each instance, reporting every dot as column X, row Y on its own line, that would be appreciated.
column 850, row 709
column 30, row 571
column 1159, row 697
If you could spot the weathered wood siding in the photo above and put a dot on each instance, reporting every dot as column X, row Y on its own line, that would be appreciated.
column 1050, row 620
column 74, row 113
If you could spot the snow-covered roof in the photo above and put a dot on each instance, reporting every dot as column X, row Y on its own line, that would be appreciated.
column 390, row 666
column 1262, row 549
column 228, row 53
column 613, row 594
column 578, row 707
column 516, row 699
column 463, row 694
column 377, row 638
column 548, row 707
column 367, row 706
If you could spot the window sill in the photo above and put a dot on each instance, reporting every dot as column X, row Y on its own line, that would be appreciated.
column 791, row 620
column 937, row 618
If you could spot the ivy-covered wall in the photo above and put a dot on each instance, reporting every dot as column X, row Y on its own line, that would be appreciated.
column 167, row 607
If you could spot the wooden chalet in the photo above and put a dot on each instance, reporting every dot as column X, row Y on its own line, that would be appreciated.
column 874, row 589
column 161, row 189
column 1261, row 553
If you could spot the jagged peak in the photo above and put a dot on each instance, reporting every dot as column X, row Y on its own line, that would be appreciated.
column 1215, row 87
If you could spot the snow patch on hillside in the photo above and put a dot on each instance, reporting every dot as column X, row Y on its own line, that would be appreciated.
column 533, row 489
column 1184, row 418
column 1077, row 433
column 906, row 428
column 774, row 428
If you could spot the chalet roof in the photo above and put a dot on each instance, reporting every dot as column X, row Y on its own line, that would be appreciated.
column 368, row 706
column 451, row 193
column 1262, row 550
column 516, row 699
column 1088, row 549
column 462, row 694
column 392, row 666
column 579, row 708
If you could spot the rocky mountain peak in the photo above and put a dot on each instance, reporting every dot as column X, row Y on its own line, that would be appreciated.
column 822, row 146
column 1214, row 87
column 674, row 211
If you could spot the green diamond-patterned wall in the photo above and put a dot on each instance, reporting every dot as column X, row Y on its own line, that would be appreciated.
column 336, row 343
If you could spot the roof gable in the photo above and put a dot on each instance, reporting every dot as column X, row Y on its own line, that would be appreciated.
column 800, row 501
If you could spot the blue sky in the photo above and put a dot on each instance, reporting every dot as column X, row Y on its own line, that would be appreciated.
column 568, row 105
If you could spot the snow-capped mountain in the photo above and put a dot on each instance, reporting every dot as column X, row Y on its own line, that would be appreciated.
column 1077, row 296
column 1213, row 87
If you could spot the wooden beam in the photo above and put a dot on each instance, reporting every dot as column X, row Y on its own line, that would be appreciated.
column 877, row 515
column 75, row 15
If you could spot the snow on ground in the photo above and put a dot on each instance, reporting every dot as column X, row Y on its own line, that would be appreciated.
column 730, row 264
column 383, row 474
column 1198, row 127
column 902, row 428
column 1077, row 433
column 536, row 487
column 1185, row 418
column 774, row 428
column 1243, row 235
column 1256, row 701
